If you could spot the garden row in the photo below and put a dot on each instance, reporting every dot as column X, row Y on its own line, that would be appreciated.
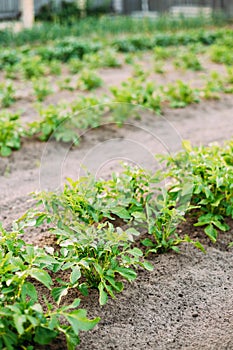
column 66, row 123
column 32, row 70
column 105, row 230
column 27, row 58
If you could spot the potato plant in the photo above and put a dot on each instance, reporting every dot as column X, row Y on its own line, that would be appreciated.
column 209, row 170
column 7, row 94
column 89, row 80
column 11, row 133
column 25, row 323
column 91, row 245
column 41, row 89
column 188, row 60
column 136, row 92
column 54, row 124
column 180, row 94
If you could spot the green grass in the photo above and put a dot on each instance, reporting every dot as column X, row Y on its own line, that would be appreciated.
column 112, row 25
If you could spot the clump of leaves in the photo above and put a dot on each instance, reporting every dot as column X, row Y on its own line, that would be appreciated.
column 159, row 67
column 68, row 48
column 88, row 111
column 89, row 80
column 91, row 201
column 92, row 245
column 32, row 67
column 162, row 53
column 100, row 59
column 76, row 65
column 65, row 84
column 41, row 89
column 98, row 254
column 222, row 54
column 54, row 123
column 11, row 72
column 213, row 87
column 24, row 323
column 163, row 218
column 11, row 133
column 139, row 72
column 7, row 94
column 138, row 92
column 180, row 94
column 188, row 60
column 54, row 67
column 9, row 58
column 210, row 171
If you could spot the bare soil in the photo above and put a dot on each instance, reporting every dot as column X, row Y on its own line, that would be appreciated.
column 186, row 303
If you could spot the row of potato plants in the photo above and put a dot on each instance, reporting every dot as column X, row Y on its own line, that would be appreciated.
column 105, row 230
column 63, row 50
column 34, row 64
column 28, row 62
column 178, row 93
column 66, row 123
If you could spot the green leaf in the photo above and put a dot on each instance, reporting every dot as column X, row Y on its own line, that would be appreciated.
column 40, row 219
column 9, row 340
column 75, row 274
column 147, row 242
column 211, row 232
column 44, row 335
column 140, row 216
column 175, row 248
column 221, row 226
column 118, row 286
column 148, row 266
column 83, row 289
column 19, row 320
column 186, row 144
column 135, row 252
column 121, row 212
column 127, row 273
column 132, row 231
column 5, row 151
column 99, row 269
column 58, row 293
column 199, row 246
column 41, row 276
column 79, row 322
column 72, row 339
column 75, row 303
column 103, row 296
column 29, row 290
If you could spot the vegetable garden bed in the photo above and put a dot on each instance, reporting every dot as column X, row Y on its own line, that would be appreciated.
column 100, row 238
